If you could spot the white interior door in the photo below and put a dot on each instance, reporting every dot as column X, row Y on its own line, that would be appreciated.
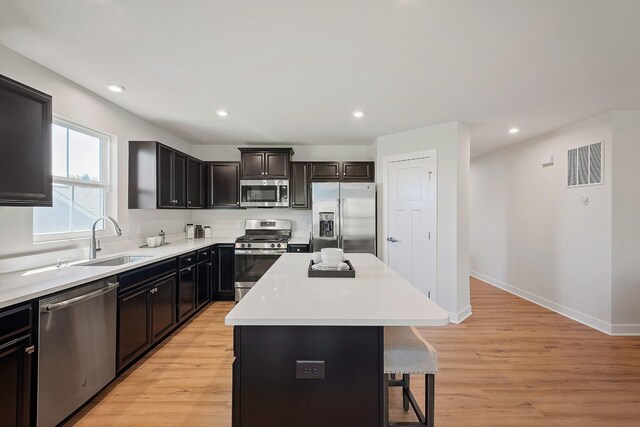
column 408, row 239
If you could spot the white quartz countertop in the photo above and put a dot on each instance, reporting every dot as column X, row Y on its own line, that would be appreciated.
column 377, row 296
column 23, row 286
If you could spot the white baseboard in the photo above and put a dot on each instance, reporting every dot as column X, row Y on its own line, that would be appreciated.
column 460, row 316
column 576, row 315
column 625, row 330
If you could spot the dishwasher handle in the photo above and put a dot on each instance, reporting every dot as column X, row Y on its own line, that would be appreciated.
column 72, row 301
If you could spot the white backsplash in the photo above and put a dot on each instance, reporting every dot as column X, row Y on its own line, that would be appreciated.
column 230, row 222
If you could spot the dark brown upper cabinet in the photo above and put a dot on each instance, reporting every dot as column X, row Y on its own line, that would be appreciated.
column 271, row 163
column 163, row 178
column 343, row 171
column 325, row 171
column 195, row 183
column 299, row 183
column 25, row 145
column 358, row 171
column 223, row 185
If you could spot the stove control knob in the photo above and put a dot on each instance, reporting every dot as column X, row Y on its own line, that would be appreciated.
column 248, row 245
column 242, row 245
column 273, row 245
column 278, row 245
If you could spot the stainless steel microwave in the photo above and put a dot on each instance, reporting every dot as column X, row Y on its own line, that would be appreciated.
column 264, row 193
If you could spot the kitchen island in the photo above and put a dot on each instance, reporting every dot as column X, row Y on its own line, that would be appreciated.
column 309, row 351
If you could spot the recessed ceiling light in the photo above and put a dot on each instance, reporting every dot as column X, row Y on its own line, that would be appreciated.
column 223, row 113
column 358, row 114
column 115, row 88
column 514, row 130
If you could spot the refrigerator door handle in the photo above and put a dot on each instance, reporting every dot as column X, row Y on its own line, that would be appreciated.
column 341, row 223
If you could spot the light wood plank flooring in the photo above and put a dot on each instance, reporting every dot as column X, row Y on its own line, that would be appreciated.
column 510, row 364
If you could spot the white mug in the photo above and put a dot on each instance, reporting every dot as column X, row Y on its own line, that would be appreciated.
column 151, row 242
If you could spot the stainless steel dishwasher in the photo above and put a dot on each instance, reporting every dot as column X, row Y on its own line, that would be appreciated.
column 77, row 348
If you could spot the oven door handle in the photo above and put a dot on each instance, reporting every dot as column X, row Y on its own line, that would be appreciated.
column 260, row 252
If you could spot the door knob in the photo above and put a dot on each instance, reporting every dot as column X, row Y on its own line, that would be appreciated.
column 392, row 240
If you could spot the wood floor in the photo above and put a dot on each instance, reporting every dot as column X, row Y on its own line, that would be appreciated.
column 511, row 363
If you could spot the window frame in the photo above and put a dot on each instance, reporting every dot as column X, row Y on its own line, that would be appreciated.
column 104, row 184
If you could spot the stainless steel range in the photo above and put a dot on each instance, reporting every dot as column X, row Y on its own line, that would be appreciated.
column 255, row 252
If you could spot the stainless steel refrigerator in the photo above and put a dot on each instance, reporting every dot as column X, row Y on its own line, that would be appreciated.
column 344, row 216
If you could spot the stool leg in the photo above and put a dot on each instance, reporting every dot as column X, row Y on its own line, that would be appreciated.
column 430, row 393
column 405, row 389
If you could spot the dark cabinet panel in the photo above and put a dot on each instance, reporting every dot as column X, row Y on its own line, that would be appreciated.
column 203, row 290
column 25, row 145
column 271, row 163
column 276, row 165
column 299, row 183
column 298, row 248
column 163, row 307
column 179, row 179
column 325, row 171
column 358, row 171
column 134, row 325
column 194, row 183
column 253, row 166
column 15, row 381
column 16, row 365
column 223, row 286
column 165, row 177
column 223, row 185
column 186, row 293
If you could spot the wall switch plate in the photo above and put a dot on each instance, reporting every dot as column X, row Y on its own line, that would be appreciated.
column 309, row 369
column 138, row 230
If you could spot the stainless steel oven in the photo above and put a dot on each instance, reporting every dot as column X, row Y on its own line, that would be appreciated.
column 255, row 252
column 250, row 265
column 264, row 193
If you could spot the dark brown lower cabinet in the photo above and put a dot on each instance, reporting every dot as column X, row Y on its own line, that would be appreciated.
column 203, row 290
column 146, row 314
column 224, row 272
column 134, row 325
column 163, row 307
column 186, row 293
column 15, row 381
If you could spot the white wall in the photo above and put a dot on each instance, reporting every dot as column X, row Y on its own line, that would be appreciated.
column 531, row 234
column 80, row 106
column 451, row 140
column 302, row 152
column 626, row 223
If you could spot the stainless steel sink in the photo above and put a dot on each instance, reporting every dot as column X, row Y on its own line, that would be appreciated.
column 111, row 262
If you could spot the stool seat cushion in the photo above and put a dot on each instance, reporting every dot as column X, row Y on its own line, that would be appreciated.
column 406, row 352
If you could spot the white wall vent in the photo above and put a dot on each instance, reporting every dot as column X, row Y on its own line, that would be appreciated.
column 585, row 165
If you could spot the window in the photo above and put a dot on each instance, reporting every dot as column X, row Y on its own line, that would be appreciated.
column 80, row 184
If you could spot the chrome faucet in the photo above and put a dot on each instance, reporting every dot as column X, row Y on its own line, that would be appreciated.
column 94, row 248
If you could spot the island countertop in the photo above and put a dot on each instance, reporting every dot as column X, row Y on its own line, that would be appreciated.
column 377, row 296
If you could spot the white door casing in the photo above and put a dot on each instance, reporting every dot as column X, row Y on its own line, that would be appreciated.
column 410, row 225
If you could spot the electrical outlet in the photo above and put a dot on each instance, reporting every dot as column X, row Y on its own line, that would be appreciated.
column 305, row 225
column 310, row 369
column 138, row 230
column 238, row 224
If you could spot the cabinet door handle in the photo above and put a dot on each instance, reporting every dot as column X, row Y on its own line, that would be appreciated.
column 189, row 259
column 30, row 349
column 188, row 269
column 189, row 202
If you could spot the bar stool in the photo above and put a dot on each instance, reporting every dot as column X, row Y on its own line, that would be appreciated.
column 406, row 352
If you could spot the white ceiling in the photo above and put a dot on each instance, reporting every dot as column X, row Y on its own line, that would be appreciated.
column 292, row 71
